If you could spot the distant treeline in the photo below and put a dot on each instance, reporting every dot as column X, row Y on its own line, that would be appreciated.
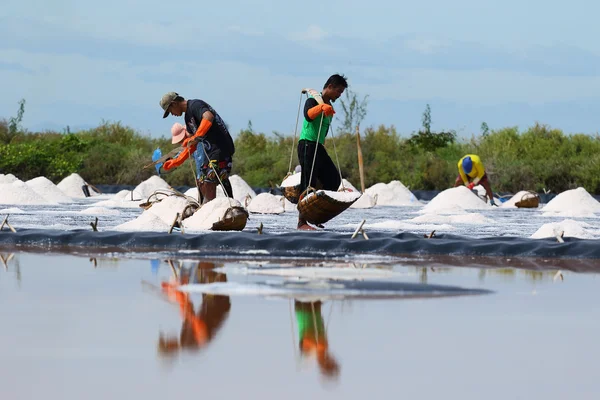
column 536, row 159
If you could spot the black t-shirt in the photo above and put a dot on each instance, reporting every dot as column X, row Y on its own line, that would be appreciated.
column 217, row 134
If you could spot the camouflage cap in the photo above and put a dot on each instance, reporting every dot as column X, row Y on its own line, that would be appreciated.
column 166, row 101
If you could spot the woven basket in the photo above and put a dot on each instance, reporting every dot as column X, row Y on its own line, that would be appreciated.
column 317, row 208
column 235, row 219
column 532, row 201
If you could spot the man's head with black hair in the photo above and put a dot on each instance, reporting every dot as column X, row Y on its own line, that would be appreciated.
column 334, row 87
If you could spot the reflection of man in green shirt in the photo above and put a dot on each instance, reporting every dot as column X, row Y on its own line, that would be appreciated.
column 313, row 338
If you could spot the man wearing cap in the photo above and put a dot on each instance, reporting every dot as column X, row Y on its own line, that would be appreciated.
column 205, row 127
column 471, row 173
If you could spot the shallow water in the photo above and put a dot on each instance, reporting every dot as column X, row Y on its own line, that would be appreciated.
column 80, row 327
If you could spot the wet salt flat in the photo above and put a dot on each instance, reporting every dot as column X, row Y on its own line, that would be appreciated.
column 99, row 327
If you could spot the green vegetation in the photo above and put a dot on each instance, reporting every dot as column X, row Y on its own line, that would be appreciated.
column 537, row 158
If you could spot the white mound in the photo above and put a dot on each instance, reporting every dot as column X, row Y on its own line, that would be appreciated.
column 147, row 222
column 150, row 185
column 9, row 178
column 570, row 228
column 48, row 190
column 72, row 186
column 393, row 194
column 348, row 186
column 100, row 211
column 19, row 193
column 128, row 195
column 365, row 201
column 122, row 199
column 167, row 208
column 209, row 213
column 575, row 201
column 466, row 218
column 266, row 203
column 345, row 197
column 292, row 180
column 512, row 202
column 240, row 189
column 12, row 210
column 458, row 196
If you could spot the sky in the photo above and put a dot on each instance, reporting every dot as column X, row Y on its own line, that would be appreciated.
column 509, row 63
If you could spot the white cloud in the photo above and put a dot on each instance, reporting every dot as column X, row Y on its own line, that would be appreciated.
column 313, row 33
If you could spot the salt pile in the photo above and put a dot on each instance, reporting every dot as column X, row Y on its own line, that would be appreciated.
column 512, row 202
column 365, row 201
column 72, row 186
column 150, row 185
column 12, row 210
column 266, row 203
column 99, row 211
column 9, row 178
column 458, row 196
column 466, row 218
column 241, row 190
column 344, row 197
column 48, row 190
column 571, row 228
column 209, row 213
column 575, row 202
column 122, row 199
column 393, row 194
column 19, row 193
column 158, row 217
column 292, row 180
column 347, row 186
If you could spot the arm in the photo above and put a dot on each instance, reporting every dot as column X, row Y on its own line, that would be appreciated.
column 181, row 157
column 480, row 170
column 312, row 109
column 203, row 128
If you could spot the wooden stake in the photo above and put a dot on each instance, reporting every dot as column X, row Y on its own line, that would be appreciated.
column 260, row 228
column 94, row 225
column 360, row 230
column 174, row 222
column 5, row 222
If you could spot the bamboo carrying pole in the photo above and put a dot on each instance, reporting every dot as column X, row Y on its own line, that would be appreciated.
column 360, row 161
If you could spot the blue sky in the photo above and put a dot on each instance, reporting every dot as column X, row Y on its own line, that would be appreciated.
column 509, row 63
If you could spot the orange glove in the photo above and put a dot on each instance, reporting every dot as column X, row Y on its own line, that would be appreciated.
column 320, row 108
column 471, row 185
column 202, row 129
column 184, row 155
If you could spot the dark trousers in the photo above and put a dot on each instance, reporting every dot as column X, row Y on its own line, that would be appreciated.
column 324, row 172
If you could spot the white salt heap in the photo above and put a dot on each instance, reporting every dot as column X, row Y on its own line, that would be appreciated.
column 240, row 189
column 347, row 186
column 512, row 202
column 266, row 203
column 345, row 197
column 458, row 196
column 48, row 190
column 12, row 210
column 19, row 193
column 209, row 213
column 466, row 218
column 292, row 180
column 159, row 217
column 99, row 211
column 72, row 186
column 147, row 222
column 122, row 200
column 393, row 194
column 9, row 178
column 365, row 201
column 575, row 202
column 570, row 228
column 150, row 185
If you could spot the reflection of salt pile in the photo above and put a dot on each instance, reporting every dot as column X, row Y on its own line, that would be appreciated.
column 240, row 189
column 20, row 193
column 9, row 178
column 574, row 203
column 209, row 213
column 99, row 211
column 159, row 217
column 48, row 190
column 465, row 218
column 458, row 196
column 266, row 203
column 512, row 202
column 72, row 186
column 570, row 228
column 150, row 185
column 393, row 194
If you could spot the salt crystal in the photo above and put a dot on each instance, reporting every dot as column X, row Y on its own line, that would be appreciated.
column 167, row 208
column 72, row 186
column 12, row 210
column 48, row 190
column 393, row 194
column 147, row 222
column 365, row 201
column 266, row 203
column 458, row 196
column 344, row 197
column 575, row 201
column 9, row 178
column 571, row 228
column 19, row 193
column 150, row 185
column 209, row 213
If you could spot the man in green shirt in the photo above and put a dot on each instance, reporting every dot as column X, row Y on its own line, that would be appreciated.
column 318, row 114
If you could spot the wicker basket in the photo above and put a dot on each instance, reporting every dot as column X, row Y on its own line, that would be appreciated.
column 317, row 208
column 529, row 200
column 235, row 219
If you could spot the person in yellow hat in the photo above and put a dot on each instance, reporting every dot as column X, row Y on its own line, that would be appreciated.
column 472, row 173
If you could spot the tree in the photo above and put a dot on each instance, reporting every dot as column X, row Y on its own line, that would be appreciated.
column 428, row 140
column 11, row 128
column 354, row 111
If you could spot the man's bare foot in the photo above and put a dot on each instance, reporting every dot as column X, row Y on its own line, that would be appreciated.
column 305, row 227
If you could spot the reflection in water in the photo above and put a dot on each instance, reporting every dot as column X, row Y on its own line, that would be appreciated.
column 7, row 260
column 313, row 337
column 200, row 326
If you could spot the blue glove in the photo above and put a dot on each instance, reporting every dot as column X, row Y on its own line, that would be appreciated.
column 155, row 156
